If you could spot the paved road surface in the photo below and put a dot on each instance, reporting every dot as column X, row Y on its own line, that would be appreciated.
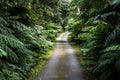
column 63, row 65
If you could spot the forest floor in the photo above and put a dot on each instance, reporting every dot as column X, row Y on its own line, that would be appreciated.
column 63, row 64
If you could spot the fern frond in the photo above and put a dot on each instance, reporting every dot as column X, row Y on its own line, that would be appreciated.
column 116, row 3
column 49, row 11
column 11, row 17
column 91, row 43
column 105, row 15
column 109, row 55
column 112, row 48
column 103, row 64
column 11, row 55
column 85, row 36
column 10, row 41
column 2, row 53
column 2, row 77
column 24, row 51
column 16, row 25
column 5, row 30
column 15, row 67
column 11, row 75
column 114, row 35
column 3, row 21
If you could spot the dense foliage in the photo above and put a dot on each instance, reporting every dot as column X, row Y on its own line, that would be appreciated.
column 28, row 29
column 96, row 27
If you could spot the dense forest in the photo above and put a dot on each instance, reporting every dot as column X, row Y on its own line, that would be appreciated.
column 96, row 27
column 28, row 30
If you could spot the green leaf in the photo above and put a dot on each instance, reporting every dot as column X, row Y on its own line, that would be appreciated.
column 112, row 48
column 2, row 53
column 2, row 77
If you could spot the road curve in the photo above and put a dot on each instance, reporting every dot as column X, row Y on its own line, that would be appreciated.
column 63, row 65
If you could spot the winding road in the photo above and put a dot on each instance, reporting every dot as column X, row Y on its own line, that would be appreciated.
column 63, row 64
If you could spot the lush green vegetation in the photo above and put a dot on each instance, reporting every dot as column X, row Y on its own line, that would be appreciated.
column 28, row 29
column 87, row 62
column 95, row 25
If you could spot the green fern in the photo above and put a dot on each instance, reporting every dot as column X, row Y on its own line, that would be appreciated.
column 103, row 65
column 3, row 21
column 11, row 75
column 102, row 21
column 114, row 35
column 5, row 30
column 2, row 77
column 2, row 53
column 11, row 55
column 112, row 48
column 110, row 55
column 16, row 25
column 10, row 41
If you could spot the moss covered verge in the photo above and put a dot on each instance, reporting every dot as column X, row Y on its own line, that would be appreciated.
column 87, row 62
column 41, row 64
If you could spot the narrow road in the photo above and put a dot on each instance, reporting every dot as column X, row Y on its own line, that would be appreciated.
column 63, row 65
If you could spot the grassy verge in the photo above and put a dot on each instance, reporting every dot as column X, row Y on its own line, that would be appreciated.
column 40, row 65
column 87, row 62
